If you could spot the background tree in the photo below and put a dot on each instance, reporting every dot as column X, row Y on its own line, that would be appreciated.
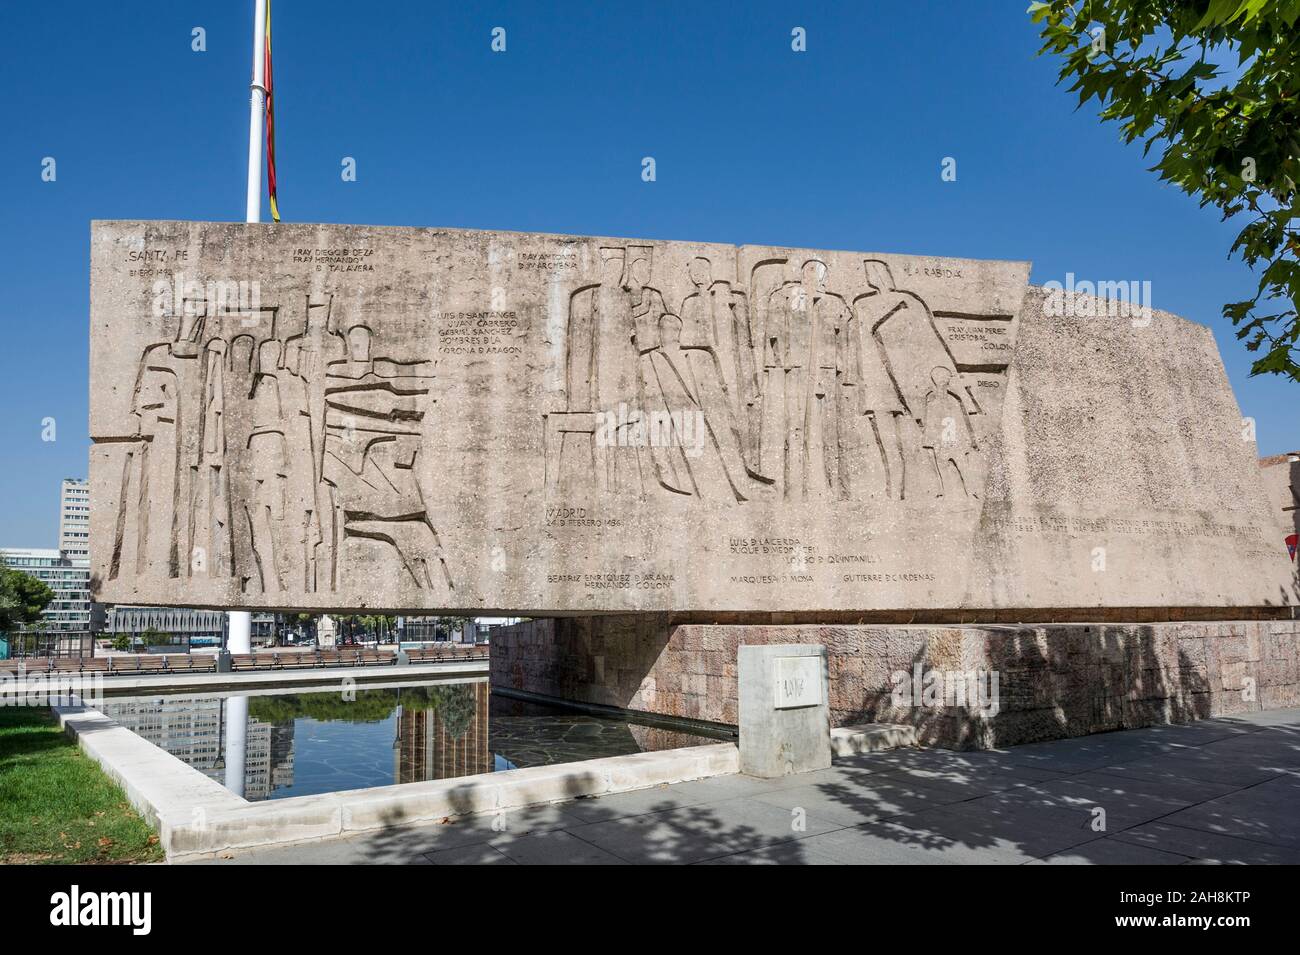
column 23, row 598
column 1214, row 86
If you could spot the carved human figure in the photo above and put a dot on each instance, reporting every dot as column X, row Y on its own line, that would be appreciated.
column 174, row 503
column 305, row 357
column 614, row 378
column 748, row 397
column 903, row 330
column 282, row 512
column 146, row 516
column 698, row 419
column 374, row 435
column 873, row 401
column 244, row 442
column 949, row 437
column 711, row 345
column 805, row 327
column 672, row 407
column 648, row 309
column 709, row 320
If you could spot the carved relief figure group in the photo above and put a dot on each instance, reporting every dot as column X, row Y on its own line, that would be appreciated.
column 266, row 445
column 806, row 393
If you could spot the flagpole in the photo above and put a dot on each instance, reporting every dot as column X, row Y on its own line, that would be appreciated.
column 257, row 114
column 239, row 638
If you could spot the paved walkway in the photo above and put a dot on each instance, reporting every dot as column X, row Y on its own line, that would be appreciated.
column 1224, row 790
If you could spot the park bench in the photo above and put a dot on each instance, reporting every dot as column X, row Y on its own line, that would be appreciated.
column 447, row 653
column 243, row 661
column 29, row 664
column 124, row 663
column 295, row 660
column 188, row 663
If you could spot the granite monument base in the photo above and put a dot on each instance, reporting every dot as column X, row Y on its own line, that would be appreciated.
column 962, row 686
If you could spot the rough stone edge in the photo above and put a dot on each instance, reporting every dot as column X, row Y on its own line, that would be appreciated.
column 870, row 738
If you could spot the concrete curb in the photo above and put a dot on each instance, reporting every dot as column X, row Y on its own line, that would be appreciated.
column 156, row 783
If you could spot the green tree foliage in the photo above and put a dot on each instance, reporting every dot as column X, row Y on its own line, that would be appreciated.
column 1214, row 87
column 455, row 705
column 23, row 598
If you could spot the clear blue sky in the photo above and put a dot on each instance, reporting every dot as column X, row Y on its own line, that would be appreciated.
column 838, row 147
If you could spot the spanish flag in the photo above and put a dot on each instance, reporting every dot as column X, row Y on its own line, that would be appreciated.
column 270, row 121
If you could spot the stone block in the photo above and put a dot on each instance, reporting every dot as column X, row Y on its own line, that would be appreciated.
column 784, row 709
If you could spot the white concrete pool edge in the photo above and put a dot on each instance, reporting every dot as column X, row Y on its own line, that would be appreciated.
column 197, row 817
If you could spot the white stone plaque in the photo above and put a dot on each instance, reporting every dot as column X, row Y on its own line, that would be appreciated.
column 798, row 682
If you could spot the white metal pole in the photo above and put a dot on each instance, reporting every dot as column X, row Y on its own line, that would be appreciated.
column 239, row 638
column 257, row 113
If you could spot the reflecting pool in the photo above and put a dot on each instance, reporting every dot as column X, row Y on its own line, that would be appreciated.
column 280, row 744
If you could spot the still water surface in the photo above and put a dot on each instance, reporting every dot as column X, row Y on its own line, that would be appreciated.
column 300, row 744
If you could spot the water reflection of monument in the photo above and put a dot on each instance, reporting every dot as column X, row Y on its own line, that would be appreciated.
column 446, row 740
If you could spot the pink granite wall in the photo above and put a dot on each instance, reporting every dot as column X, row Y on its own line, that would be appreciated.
column 1053, row 680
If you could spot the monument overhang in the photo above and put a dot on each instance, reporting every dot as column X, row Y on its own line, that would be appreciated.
column 347, row 418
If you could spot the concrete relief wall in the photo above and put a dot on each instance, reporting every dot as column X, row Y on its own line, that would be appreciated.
column 346, row 417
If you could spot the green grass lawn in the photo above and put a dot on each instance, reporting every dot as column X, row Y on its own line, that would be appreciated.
column 56, row 805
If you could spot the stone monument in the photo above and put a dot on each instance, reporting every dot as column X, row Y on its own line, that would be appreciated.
column 330, row 417
column 784, row 709
column 672, row 449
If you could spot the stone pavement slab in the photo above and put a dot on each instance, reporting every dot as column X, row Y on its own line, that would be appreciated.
column 1222, row 791
column 701, row 832
column 552, row 848
column 1111, row 851
column 852, row 803
column 1208, row 846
